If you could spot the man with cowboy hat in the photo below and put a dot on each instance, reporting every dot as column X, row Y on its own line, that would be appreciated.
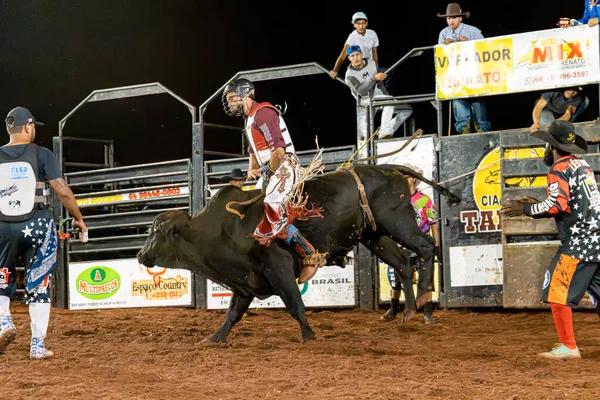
column 235, row 178
column 463, row 109
column 574, row 202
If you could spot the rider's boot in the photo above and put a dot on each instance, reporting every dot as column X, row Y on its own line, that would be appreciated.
column 312, row 260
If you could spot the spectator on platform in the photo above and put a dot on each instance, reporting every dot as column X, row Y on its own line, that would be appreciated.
column 363, row 77
column 590, row 15
column 365, row 38
column 564, row 105
column 235, row 178
column 463, row 109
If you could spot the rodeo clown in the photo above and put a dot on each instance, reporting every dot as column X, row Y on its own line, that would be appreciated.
column 273, row 160
column 27, row 227
column 574, row 202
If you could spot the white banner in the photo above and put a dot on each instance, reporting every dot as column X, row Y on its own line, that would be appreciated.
column 133, row 195
column 331, row 286
column 476, row 265
column 126, row 283
column 556, row 58
column 423, row 157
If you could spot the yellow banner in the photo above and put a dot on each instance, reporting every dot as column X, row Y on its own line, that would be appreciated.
column 474, row 68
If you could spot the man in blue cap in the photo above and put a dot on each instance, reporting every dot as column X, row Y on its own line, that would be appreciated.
column 363, row 77
column 361, row 36
column 27, row 227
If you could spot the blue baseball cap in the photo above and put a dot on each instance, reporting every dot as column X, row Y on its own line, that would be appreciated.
column 353, row 49
column 20, row 116
column 359, row 15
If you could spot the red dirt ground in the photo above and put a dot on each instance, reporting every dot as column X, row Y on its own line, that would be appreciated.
column 155, row 353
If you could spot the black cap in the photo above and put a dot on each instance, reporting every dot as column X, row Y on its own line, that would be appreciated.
column 235, row 175
column 20, row 116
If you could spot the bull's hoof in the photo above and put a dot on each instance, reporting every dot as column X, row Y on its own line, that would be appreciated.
column 408, row 315
column 212, row 342
column 309, row 340
column 388, row 316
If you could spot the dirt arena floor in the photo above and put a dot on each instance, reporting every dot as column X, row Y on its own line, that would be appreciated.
column 156, row 353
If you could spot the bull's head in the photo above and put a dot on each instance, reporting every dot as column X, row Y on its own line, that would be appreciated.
column 164, row 242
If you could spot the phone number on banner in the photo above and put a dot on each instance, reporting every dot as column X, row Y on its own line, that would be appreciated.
column 124, row 197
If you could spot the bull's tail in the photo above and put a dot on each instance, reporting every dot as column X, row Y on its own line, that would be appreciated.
column 452, row 198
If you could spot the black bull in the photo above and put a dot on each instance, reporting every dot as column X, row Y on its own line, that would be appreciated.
column 216, row 243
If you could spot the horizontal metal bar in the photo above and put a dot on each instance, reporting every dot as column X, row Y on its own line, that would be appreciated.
column 222, row 154
column 220, row 126
column 79, row 139
column 130, row 213
column 402, row 101
column 536, row 167
column 129, row 179
column 143, row 90
column 103, row 250
column 144, row 188
column 109, row 239
column 132, row 167
column 287, row 71
column 85, row 165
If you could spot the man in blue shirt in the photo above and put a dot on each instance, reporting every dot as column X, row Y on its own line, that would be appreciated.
column 463, row 109
column 590, row 15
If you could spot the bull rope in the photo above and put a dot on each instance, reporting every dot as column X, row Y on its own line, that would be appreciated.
column 414, row 136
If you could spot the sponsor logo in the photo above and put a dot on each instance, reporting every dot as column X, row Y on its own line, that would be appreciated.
column 593, row 300
column 9, row 190
column 18, row 173
column 160, row 287
column 546, row 280
column 555, row 49
column 487, row 189
column 15, row 204
column 98, row 283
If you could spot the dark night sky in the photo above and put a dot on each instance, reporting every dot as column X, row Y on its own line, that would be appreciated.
column 54, row 53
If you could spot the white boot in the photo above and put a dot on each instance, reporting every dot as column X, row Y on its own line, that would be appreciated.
column 38, row 349
column 7, row 328
column 40, row 315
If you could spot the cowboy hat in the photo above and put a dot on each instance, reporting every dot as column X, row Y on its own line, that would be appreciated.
column 454, row 10
column 561, row 135
column 234, row 175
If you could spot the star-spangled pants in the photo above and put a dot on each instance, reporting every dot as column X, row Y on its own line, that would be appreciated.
column 35, row 240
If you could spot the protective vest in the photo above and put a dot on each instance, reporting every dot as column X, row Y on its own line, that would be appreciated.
column 21, row 193
column 258, row 142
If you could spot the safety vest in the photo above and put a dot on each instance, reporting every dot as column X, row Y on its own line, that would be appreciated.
column 258, row 142
column 21, row 193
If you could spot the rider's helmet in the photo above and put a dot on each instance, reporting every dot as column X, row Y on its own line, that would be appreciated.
column 234, row 95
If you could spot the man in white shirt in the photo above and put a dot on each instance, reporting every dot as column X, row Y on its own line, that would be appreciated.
column 365, row 38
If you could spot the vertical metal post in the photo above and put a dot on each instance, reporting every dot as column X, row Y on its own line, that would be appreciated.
column 363, row 257
column 440, row 118
column 198, row 197
column 60, row 276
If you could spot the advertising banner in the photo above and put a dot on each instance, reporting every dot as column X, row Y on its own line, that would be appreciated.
column 332, row 286
column 133, row 195
column 517, row 63
column 126, row 283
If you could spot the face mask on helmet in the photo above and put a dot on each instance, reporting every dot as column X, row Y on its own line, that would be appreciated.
column 234, row 96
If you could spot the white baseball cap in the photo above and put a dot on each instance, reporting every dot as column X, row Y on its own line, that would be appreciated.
column 359, row 15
